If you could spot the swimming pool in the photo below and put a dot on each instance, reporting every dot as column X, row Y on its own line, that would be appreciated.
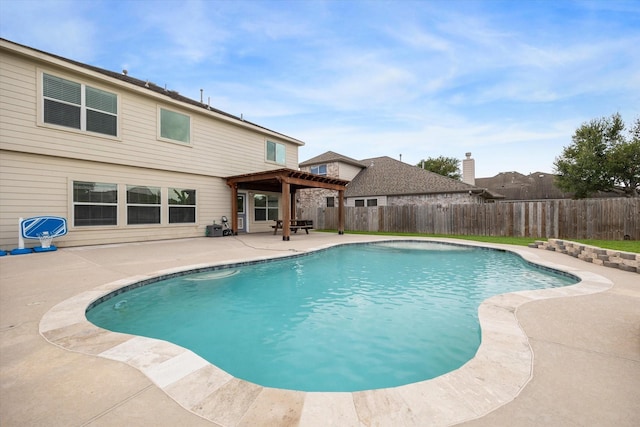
column 348, row 318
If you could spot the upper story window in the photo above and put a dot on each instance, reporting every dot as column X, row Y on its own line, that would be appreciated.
column 276, row 152
column 319, row 170
column 78, row 106
column 175, row 126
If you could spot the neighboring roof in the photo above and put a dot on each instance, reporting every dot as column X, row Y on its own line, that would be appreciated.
column 516, row 186
column 535, row 186
column 156, row 89
column 385, row 176
column 331, row 157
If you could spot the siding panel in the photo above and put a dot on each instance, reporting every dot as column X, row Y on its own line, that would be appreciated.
column 36, row 185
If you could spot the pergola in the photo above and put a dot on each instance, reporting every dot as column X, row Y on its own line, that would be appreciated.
column 287, row 182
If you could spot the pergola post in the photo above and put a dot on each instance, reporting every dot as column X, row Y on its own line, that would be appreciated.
column 294, row 206
column 286, row 210
column 341, row 212
column 234, row 208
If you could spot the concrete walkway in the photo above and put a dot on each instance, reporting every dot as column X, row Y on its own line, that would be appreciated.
column 586, row 349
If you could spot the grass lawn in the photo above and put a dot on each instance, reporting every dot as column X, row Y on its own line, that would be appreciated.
column 618, row 245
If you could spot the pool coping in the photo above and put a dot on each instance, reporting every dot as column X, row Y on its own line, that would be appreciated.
column 495, row 376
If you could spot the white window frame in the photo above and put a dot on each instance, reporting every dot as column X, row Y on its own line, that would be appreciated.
column 156, row 206
column 168, row 138
column 77, row 203
column 176, row 206
column 319, row 170
column 280, row 152
column 82, row 106
column 268, row 209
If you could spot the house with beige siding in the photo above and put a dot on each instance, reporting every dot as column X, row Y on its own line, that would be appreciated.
column 123, row 159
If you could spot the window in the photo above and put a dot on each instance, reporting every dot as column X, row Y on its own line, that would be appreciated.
column 240, row 203
column 372, row 202
column 143, row 205
column 319, row 170
column 94, row 204
column 175, row 126
column 359, row 202
column 331, row 202
column 182, row 206
column 275, row 152
column 74, row 105
column 265, row 207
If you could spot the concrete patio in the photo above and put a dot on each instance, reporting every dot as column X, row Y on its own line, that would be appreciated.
column 584, row 369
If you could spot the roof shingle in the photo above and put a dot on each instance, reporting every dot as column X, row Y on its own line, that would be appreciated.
column 385, row 176
column 330, row 157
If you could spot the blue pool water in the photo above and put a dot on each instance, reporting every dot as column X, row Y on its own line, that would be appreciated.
column 348, row 318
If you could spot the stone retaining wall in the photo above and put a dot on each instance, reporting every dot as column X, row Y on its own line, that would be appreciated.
column 626, row 261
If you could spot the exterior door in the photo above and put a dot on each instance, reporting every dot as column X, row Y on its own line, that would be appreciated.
column 242, row 213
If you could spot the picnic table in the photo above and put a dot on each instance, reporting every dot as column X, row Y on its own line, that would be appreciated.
column 294, row 225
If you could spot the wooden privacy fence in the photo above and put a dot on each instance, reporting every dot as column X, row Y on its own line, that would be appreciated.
column 607, row 219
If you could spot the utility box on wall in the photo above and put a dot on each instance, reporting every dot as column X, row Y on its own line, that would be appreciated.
column 214, row 230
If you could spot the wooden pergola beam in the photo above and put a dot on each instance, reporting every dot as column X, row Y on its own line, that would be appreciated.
column 314, row 184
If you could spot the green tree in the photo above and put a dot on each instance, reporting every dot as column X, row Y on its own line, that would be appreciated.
column 447, row 166
column 624, row 162
column 600, row 158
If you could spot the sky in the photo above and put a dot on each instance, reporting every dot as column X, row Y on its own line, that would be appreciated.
column 508, row 81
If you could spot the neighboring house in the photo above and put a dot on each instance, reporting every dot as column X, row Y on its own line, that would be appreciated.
column 516, row 186
column 123, row 159
column 383, row 181
column 535, row 186
column 332, row 165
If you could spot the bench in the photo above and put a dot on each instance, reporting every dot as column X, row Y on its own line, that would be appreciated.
column 295, row 225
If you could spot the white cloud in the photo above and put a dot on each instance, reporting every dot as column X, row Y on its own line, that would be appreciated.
column 419, row 38
column 53, row 26
column 191, row 31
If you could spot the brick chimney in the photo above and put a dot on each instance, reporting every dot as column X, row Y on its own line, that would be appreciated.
column 469, row 170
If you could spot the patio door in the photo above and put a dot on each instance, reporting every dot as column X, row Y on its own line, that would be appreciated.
column 242, row 212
